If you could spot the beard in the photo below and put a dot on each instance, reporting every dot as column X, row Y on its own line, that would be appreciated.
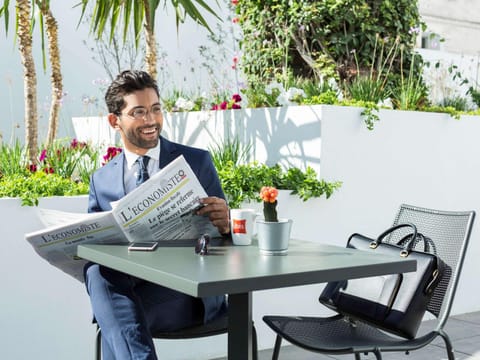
column 138, row 138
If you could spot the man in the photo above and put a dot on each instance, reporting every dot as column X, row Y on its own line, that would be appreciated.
column 126, row 308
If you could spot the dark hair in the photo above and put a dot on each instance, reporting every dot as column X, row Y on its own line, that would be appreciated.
column 126, row 83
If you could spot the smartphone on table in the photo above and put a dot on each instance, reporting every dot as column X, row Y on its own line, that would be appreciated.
column 143, row 246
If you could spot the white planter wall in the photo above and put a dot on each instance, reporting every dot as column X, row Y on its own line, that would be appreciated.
column 94, row 130
column 289, row 136
column 423, row 159
column 44, row 313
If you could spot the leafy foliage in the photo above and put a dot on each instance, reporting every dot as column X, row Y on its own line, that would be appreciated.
column 475, row 94
column 66, row 170
column 411, row 92
column 62, row 169
column 317, row 37
column 39, row 184
column 243, row 182
column 12, row 160
column 229, row 150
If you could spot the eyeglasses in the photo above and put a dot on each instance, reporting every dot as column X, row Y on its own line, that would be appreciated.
column 141, row 113
column 201, row 248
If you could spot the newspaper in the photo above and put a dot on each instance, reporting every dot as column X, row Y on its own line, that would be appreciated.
column 162, row 208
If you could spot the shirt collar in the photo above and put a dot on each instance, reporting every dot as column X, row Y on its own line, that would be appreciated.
column 153, row 153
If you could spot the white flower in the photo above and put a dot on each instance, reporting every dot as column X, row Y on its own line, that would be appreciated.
column 385, row 103
column 272, row 86
column 332, row 84
column 283, row 100
column 295, row 92
column 286, row 97
column 184, row 104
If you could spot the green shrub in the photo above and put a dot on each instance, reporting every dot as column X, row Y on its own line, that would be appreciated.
column 243, row 182
column 30, row 187
column 75, row 164
column 310, row 38
column 62, row 169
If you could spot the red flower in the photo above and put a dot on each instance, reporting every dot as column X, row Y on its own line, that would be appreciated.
column 236, row 106
column 235, row 20
column 236, row 98
column 32, row 168
column 235, row 2
column 223, row 105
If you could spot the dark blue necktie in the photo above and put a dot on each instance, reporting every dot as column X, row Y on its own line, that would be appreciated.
column 142, row 174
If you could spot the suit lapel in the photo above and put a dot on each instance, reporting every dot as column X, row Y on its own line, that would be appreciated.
column 115, row 174
column 167, row 152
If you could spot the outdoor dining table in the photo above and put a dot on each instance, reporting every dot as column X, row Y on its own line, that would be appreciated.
column 240, row 270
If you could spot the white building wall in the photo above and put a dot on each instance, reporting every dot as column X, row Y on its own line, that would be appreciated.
column 456, row 21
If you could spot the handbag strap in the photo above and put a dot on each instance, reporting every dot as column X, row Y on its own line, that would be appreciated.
column 374, row 244
column 409, row 243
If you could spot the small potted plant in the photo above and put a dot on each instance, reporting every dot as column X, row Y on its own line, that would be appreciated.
column 269, row 195
column 273, row 233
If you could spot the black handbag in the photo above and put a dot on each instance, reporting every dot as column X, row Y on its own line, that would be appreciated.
column 395, row 303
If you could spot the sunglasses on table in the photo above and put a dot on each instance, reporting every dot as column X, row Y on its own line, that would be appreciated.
column 201, row 247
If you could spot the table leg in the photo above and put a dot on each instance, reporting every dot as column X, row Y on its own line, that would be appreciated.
column 240, row 326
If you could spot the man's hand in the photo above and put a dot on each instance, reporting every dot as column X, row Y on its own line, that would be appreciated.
column 217, row 211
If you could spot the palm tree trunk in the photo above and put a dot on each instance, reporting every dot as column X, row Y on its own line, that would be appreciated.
column 29, row 78
column 151, row 45
column 56, row 74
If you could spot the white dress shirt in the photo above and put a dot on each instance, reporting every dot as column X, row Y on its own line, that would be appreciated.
column 131, row 166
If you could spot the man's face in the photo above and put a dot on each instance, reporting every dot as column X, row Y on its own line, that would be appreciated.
column 140, row 122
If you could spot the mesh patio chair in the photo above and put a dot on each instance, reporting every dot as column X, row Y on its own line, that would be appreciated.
column 216, row 327
column 339, row 334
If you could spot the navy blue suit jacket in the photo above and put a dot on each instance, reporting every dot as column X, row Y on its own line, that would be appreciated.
column 106, row 185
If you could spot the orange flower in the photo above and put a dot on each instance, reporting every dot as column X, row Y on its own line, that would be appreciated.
column 268, row 194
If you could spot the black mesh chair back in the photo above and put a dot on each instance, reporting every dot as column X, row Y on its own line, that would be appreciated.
column 216, row 327
column 450, row 231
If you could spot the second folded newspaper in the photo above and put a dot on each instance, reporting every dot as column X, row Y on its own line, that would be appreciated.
column 162, row 208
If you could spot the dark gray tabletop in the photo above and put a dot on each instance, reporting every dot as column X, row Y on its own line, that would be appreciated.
column 232, row 269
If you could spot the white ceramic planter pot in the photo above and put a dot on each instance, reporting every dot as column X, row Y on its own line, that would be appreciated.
column 273, row 237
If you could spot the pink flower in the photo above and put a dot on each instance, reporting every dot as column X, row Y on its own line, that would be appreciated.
column 235, row 20
column 235, row 2
column 112, row 151
column 75, row 144
column 43, row 155
column 230, row 104
column 235, row 62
